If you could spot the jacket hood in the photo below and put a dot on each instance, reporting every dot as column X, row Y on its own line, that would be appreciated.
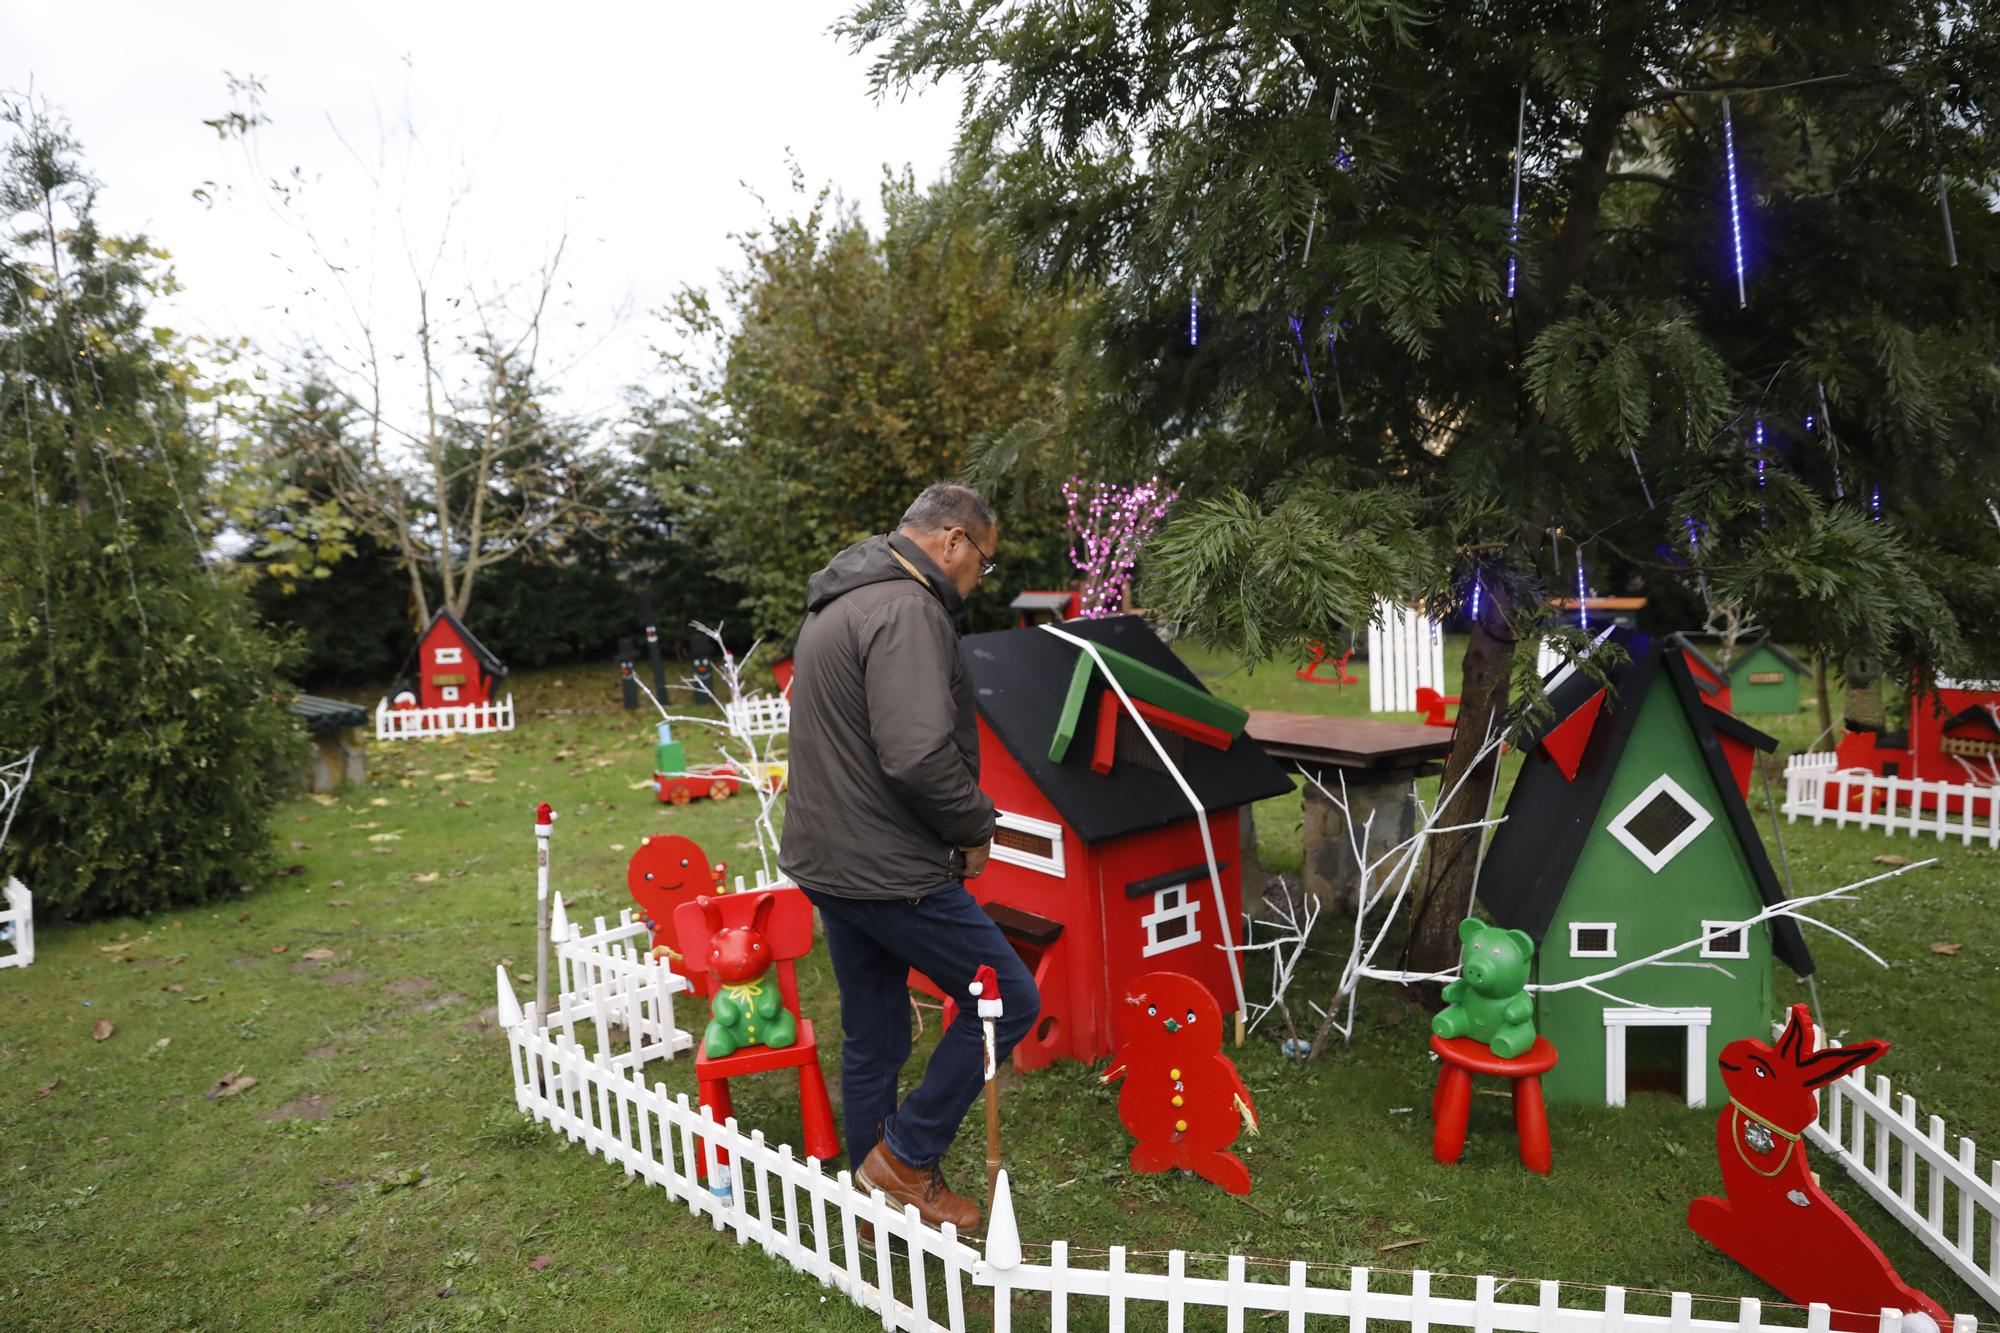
column 873, row 560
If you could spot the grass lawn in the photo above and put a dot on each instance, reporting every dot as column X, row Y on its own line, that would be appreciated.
column 376, row 1174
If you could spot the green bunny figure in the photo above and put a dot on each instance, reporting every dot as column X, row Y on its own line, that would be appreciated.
column 1489, row 1002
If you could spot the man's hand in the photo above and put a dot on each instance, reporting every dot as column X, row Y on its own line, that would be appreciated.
column 975, row 858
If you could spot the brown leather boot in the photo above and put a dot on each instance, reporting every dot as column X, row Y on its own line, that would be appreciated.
column 922, row 1186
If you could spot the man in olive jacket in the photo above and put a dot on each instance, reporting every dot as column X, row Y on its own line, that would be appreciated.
column 884, row 821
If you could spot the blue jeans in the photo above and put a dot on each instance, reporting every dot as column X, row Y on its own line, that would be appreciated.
column 873, row 945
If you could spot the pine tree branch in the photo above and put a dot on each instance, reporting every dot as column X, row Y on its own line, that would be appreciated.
column 1748, row 86
column 1663, row 182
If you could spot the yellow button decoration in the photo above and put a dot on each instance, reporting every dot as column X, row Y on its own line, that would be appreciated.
column 1177, row 1100
column 1173, row 1073
column 1180, row 1124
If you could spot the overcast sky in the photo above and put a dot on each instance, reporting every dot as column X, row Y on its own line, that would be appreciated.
column 634, row 127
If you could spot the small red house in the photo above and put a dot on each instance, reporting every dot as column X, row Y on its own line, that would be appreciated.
column 1952, row 736
column 1708, row 677
column 1098, row 873
column 452, row 667
column 1045, row 608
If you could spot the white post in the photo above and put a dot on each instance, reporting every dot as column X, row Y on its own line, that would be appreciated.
column 545, row 824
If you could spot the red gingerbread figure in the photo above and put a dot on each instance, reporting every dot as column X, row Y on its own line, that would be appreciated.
column 1776, row 1221
column 1182, row 1098
column 664, row 873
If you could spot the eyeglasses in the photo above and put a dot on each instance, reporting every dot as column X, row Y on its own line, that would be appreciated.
column 987, row 564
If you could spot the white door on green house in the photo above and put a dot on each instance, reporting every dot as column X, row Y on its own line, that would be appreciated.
column 1619, row 1022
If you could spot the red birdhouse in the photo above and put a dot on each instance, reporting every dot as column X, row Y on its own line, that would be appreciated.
column 1098, row 873
column 452, row 668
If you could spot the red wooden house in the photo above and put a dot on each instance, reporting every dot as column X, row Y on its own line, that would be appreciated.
column 1098, row 873
column 1709, row 679
column 1952, row 736
column 452, row 667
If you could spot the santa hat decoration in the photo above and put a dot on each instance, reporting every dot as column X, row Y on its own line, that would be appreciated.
column 545, row 819
column 404, row 699
column 986, row 986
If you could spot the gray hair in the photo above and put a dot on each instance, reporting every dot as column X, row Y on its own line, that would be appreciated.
column 946, row 505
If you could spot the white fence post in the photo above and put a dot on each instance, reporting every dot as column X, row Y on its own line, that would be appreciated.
column 1405, row 653
column 17, row 926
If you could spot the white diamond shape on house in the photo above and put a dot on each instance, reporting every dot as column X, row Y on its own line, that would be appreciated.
column 1659, row 822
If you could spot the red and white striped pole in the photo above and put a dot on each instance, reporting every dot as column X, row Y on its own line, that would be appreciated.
column 545, row 824
column 985, row 989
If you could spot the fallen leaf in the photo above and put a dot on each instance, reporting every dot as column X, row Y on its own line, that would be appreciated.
column 230, row 1084
column 430, row 877
column 288, row 871
column 639, row 786
column 300, row 846
column 339, row 902
column 196, row 999
column 373, row 823
column 1402, row 1244
column 1891, row 859
column 385, row 837
column 101, row 1029
column 381, row 800
column 454, row 874
column 467, row 805
column 327, row 800
column 317, row 955
column 1939, row 946
column 163, row 1043
column 47, row 1090
column 338, row 884
column 539, row 1262
column 385, row 851
column 241, row 919
column 175, row 987
column 506, row 962
column 280, row 948
column 116, row 948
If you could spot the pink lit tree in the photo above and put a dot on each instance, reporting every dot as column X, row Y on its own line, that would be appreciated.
column 1108, row 523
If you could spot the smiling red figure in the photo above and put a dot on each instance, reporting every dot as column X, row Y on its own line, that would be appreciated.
column 1183, row 1099
column 664, row 873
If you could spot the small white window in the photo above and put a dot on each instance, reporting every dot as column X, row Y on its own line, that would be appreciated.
column 1593, row 939
column 447, row 656
column 1171, row 923
column 1729, row 940
column 1659, row 822
column 1033, row 844
column 450, row 693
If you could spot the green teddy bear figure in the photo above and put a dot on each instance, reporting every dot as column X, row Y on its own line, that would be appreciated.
column 751, row 1015
column 1489, row 1002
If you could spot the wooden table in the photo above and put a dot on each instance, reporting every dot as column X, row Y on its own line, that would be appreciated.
column 1378, row 763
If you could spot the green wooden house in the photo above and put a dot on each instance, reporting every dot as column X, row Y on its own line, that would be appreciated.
column 1627, row 834
column 1761, row 678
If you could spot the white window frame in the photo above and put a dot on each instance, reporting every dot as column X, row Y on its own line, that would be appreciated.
column 1184, row 907
column 449, row 693
column 1696, row 1021
column 1053, row 864
column 1652, row 860
column 1610, row 929
column 447, row 656
column 1712, row 947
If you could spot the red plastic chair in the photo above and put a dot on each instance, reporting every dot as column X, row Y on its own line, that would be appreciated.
column 1432, row 705
column 789, row 934
column 1451, row 1104
column 1320, row 658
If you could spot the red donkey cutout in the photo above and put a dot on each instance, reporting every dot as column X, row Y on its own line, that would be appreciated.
column 1776, row 1221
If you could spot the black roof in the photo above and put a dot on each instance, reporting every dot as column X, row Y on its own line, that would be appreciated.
column 1777, row 650
column 1020, row 676
column 1684, row 641
column 324, row 715
column 1978, row 715
column 1039, row 601
column 1528, row 865
column 495, row 668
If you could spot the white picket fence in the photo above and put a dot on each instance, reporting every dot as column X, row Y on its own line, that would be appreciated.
column 574, row 1075
column 395, row 724
column 17, row 926
column 1934, row 1191
column 759, row 715
column 1816, row 787
column 1405, row 653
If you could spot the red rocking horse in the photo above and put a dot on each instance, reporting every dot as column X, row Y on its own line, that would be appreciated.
column 1776, row 1221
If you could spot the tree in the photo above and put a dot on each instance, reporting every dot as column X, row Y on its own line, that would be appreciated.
column 1319, row 312
column 841, row 374
column 455, row 462
column 131, row 661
